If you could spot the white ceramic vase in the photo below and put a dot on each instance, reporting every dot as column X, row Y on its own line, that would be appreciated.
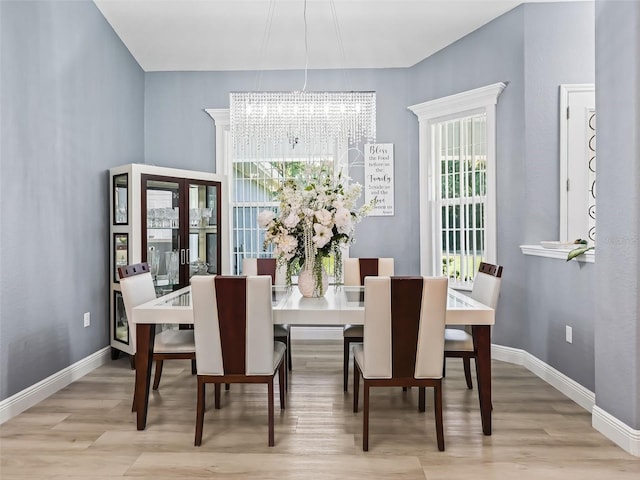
column 307, row 283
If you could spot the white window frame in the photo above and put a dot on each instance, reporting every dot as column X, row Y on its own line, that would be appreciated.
column 483, row 99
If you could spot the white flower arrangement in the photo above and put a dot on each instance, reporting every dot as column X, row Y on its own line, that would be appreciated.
column 316, row 218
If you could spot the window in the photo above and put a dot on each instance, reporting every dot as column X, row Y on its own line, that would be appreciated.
column 457, row 183
column 252, row 182
column 460, row 160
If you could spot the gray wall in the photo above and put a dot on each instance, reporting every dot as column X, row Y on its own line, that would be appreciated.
column 72, row 107
column 617, row 312
column 534, row 48
column 179, row 133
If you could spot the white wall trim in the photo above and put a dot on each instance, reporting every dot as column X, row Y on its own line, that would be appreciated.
column 459, row 102
column 559, row 253
column 572, row 389
column 618, row 432
column 615, row 430
column 27, row 398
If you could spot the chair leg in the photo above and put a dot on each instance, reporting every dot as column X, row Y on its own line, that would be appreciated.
column 133, row 402
column 356, row 386
column 200, row 412
column 345, row 368
column 156, row 378
column 444, row 367
column 289, row 362
column 282, row 372
column 437, row 397
column 227, row 386
column 467, row 372
column 216, row 395
column 365, row 419
column 270, row 402
column 421, row 399
column 194, row 369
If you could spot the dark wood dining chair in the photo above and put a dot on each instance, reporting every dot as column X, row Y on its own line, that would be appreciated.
column 403, row 341
column 234, row 342
column 137, row 288
column 355, row 270
column 458, row 343
column 268, row 266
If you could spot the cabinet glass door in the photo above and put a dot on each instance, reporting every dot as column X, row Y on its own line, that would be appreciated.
column 204, row 218
column 161, row 230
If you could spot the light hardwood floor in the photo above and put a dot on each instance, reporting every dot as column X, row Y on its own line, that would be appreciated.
column 86, row 431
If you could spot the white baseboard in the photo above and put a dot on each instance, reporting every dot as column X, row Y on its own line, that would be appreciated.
column 572, row 389
column 316, row 333
column 27, row 398
column 618, row 432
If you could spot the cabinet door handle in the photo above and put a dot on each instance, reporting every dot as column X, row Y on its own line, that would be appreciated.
column 182, row 256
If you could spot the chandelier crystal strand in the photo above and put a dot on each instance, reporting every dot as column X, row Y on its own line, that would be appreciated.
column 261, row 120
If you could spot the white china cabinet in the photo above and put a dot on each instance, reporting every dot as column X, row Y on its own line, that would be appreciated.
column 170, row 218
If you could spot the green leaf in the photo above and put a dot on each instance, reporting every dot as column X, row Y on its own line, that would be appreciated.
column 579, row 251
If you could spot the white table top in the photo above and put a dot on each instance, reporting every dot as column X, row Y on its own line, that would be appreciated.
column 340, row 306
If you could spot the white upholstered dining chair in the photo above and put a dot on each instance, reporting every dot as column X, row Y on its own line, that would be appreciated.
column 355, row 270
column 268, row 266
column 458, row 343
column 233, row 324
column 137, row 288
column 403, row 341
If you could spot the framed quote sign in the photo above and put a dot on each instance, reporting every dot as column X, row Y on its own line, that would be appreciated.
column 378, row 178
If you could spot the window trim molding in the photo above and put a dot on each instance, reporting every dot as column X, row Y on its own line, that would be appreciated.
column 430, row 112
column 222, row 123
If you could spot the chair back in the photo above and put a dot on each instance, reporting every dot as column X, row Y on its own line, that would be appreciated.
column 233, row 324
column 137, row 287
column 486, row 284
column 404, row 326
column 356, row 269
column 264, row 266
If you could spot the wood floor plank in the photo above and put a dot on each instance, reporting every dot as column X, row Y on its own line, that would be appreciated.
column 87, row 430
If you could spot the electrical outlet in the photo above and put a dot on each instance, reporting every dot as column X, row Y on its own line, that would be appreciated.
column 569, row 334
column 87, row 319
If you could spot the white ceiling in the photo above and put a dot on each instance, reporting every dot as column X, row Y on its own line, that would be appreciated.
column 186, row 35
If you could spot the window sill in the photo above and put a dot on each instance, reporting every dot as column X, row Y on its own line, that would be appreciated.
column 559, row 253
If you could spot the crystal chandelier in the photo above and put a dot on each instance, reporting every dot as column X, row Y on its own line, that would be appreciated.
column 276, row 118
column 263, row 120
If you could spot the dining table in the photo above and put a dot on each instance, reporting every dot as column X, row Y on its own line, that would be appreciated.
column 341, row 305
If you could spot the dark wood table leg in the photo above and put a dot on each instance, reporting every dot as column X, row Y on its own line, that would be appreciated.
column 482, row 343
column 145, row 337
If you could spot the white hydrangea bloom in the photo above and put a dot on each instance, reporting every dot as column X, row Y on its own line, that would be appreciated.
column 291, row 220
column 287, row 243
column 265, row 217
column 324, row 217
column 343, row 220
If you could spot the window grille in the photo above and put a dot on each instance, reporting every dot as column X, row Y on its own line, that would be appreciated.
column 255, row 182
column 461, row 162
